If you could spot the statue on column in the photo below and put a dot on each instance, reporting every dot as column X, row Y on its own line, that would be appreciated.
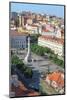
column 28, row 57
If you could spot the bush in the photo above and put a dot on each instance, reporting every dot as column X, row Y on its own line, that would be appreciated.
column 50, row 57
column 37, row 49
column 42, row 50
column 22, row 67
column 16, row 60
column 34, row 38
column 28, row 73
column 58, row 61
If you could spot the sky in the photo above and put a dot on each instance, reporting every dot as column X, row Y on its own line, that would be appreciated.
column 43, row 9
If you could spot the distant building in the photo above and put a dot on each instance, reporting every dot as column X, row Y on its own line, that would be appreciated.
column 38, row 17
column 46, row 32
column 47, row 17
column 35, row 29
column 51, row 31
column 62, row 34
column 14, row 15
column 55, row 44
column 33, row 15
column 49, row 27
column 21, row 20
column 18, row 40
column 29, row 21
column 58, row 32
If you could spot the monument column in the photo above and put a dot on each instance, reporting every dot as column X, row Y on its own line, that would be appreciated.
column 28, row 56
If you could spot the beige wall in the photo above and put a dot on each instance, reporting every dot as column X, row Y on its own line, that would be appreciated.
column 29, row 21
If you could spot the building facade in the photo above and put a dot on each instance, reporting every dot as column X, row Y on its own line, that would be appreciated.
column 29, row 21
column 54, row 44
column 18, row 40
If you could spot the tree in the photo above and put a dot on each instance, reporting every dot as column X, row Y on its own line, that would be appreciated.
column 42, row 50
column 15, row 60
column 34, row 38
column 28, row 73
column 21, row 66
column 50, row 56
column 55, row 58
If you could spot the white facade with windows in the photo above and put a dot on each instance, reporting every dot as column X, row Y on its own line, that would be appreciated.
column 56, row 47
column 18, row 41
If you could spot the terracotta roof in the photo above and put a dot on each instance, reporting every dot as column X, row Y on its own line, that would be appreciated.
column 52, row 39
column 57, row 77
column 46, row 30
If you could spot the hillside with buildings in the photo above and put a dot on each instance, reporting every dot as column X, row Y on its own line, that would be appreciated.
column 36, row 49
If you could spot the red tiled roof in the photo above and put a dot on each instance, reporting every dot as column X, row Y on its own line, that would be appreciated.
column 46, row 30
column 56, row 76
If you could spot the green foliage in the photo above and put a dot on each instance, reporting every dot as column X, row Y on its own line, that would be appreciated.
column 55, row 58
column 34, row 38
column 16, row 60
column 22, row 67
column 42, row 50
column 28, row 72
column 50, row 57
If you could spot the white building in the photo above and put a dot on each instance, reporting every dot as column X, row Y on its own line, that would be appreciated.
column 47, row 17
column 18, row 40
column 48, row 33
column 55, row 44
column 35, row 29
column 49, row 27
